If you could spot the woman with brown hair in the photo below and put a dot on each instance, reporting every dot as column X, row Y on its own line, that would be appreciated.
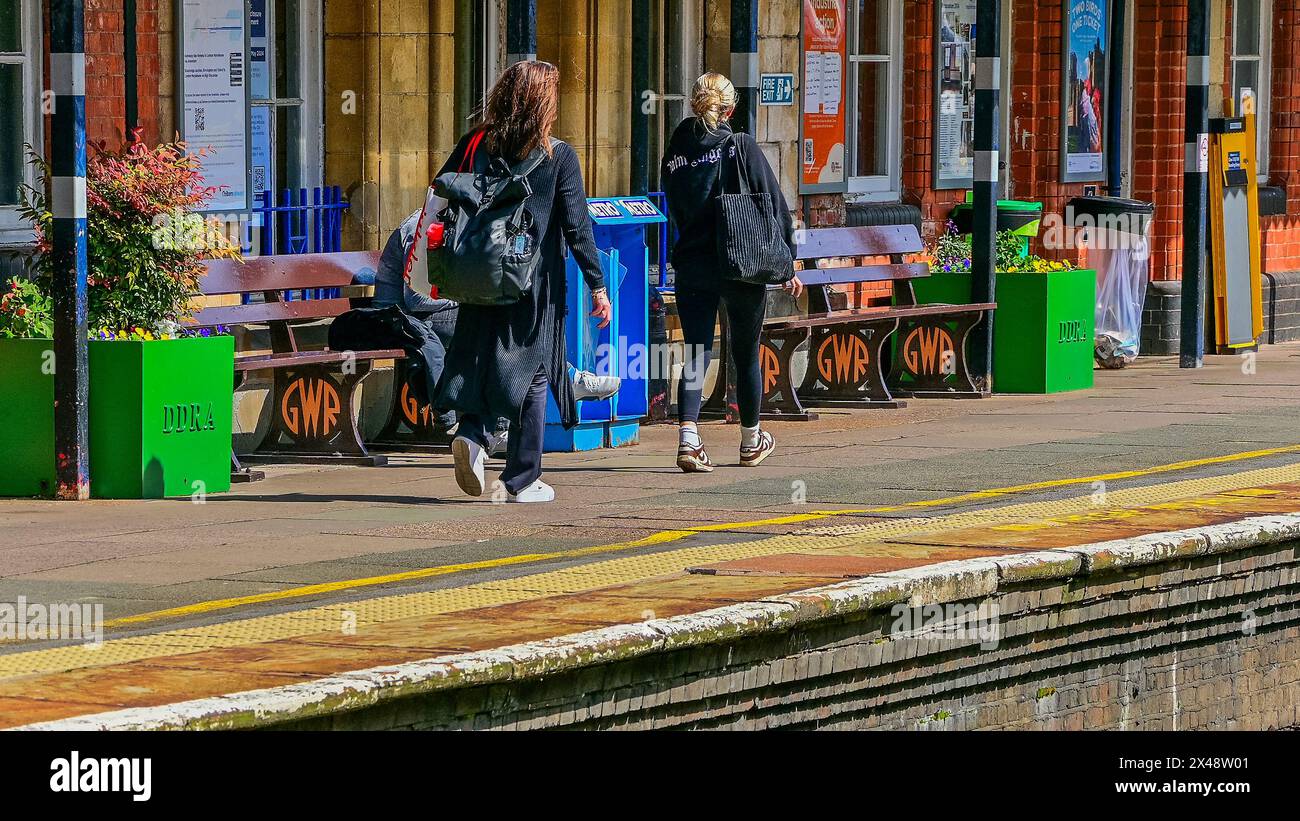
column 502, row 357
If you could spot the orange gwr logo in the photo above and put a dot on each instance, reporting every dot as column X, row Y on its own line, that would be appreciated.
column 843, row 359
column 771, row 367
column 927, row 350
column 310, row 407
column 416, row 416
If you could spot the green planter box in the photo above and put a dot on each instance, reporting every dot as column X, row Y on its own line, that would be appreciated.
column 1042, row 328
column 160, row 417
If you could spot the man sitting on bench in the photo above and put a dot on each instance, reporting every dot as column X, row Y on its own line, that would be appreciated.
column 391, row 288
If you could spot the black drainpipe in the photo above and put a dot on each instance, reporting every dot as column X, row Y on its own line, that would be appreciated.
column 1115, row 100
column 129, row 60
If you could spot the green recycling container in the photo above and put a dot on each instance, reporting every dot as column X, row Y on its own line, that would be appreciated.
column 1042, row 328
column 1024, row 219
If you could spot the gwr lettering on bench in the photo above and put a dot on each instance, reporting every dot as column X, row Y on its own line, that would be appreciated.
column 848, row 361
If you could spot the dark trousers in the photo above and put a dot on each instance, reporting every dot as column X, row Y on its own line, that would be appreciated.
column 443, row 325
column 698, row 311
column 524, row 453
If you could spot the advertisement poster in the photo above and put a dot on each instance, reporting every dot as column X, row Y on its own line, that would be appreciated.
column 955, row 137
column 259, row 77
column 825, row 52
column 215, row 112
column 1085, row 90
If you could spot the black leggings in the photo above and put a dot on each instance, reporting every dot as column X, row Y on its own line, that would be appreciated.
column 698, row 311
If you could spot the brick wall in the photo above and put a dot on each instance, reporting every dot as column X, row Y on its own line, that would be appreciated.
column 106, row 70
column 1281, row 234
column 918, row 122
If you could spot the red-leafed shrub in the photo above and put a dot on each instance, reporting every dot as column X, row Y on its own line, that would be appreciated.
column 144, row 243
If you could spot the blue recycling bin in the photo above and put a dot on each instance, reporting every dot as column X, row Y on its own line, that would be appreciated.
column 622, row 349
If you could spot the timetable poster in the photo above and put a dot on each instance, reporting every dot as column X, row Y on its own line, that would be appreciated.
column 825, row 51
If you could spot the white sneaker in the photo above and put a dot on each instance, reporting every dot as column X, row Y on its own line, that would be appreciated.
column 498, row 443
column 469, row 457
column 538, row 491
column 587, row 385
column 753, row 457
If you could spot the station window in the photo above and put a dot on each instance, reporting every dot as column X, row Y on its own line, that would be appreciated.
column 875, row 97
column 20, row 112
column 1251, row 63
column 285, row 85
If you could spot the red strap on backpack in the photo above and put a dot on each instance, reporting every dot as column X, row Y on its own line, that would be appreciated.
column 467, row 162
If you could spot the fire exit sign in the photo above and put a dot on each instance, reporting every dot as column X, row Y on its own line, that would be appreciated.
column 776, row 89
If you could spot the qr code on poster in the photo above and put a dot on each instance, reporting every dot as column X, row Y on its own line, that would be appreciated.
column 259, row 179
column 808, row 156
column 200, row 119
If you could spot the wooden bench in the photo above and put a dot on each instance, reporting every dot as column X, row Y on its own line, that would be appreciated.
column 848, row 363
column 314, row 392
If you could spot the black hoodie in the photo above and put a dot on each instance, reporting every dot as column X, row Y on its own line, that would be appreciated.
column 691, row 180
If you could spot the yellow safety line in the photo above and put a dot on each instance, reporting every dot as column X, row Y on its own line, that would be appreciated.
column 668, row 536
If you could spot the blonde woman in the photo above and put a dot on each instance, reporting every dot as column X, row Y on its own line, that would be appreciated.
column 692, row 170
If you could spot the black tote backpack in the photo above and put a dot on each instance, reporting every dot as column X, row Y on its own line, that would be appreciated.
column 751, row 246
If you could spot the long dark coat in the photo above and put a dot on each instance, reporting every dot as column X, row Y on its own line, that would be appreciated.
column 496, row 350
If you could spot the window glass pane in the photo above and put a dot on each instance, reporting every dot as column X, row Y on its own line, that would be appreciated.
column 871, row 127
column 11, row 39
column 1246, row 27
column 288, row 147
column 1245, row 74
column 288, row 49
column 873, row 27
column 11, row 132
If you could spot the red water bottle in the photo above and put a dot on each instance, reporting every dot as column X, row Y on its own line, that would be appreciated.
column 437, row 232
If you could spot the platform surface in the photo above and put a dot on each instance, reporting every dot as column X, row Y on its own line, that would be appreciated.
column 317, row 571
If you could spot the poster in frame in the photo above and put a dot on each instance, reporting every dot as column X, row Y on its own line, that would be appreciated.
column 954, row 137
column 213, row 112
column 1086, row 57
column 823, row 116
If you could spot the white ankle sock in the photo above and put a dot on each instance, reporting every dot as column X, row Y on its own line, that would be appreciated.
column 689, row 437
column 749, row 437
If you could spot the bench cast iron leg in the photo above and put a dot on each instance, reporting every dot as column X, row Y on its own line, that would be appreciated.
column 931, row 354
column 846, row 365
column 780, row 400
column 313, row 418
column 410, row 427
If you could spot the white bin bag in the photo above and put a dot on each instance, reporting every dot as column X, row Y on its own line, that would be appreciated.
column 1121, row 263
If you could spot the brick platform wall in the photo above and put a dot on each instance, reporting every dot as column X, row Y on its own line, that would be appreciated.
column 1207, row 642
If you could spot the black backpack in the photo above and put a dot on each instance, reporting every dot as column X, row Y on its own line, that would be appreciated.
column 490, row 251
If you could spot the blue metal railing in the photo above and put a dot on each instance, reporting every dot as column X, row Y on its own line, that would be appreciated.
column 666, row 232
column 298, row 225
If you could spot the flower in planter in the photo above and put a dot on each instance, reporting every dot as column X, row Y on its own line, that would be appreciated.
column 952, row 253
column 144, row 276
